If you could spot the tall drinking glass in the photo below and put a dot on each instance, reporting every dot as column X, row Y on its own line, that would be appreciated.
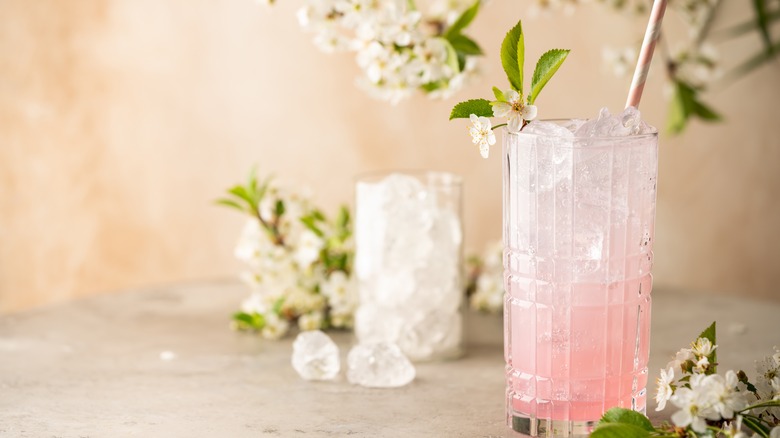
column 578, row 235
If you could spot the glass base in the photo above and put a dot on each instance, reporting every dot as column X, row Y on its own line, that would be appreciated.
column 545, row 427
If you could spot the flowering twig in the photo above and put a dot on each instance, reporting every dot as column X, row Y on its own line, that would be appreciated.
column 510, row 104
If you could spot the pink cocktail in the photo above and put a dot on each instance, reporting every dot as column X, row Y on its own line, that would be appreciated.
column 579, row 209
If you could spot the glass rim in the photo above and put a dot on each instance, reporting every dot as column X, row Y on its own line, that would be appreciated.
column 440, row 178
column 653, row 134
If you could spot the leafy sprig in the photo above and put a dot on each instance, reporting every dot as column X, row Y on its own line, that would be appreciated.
column 625, row 423
column 513, row 60
column 247, row 198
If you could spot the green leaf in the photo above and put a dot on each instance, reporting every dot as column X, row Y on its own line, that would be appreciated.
column 685, row 105
column 743, row 28
column 626, row 416
column 433, row 86
column 251, row 184
column 710, row 333
column 753, row 63
column 548, row 64
column 762, row 20
column 240, row 192
column 513, row 56
column 452, row 56
column 316, row 214
column 279, row 210
column 230, row 203
column 463, row 21
column 249, row 321
column 464, row 45
column 705, row 112
column 310, row 223
column 479, row 107
column 619, row 430
column 342, row 220
column 755, row 425
column 499, row 94
column 277, row 307
column 679, row 113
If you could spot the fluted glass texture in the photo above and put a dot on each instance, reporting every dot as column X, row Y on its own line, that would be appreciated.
column 578, row 237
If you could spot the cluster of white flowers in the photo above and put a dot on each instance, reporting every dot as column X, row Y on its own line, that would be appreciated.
column 488, row 293
column 702, row 396
column 509, row 105
column 397, row 48
column 286, row 271
column 697, row 65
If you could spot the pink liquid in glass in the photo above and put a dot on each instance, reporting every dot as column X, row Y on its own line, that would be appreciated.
column 578, row 233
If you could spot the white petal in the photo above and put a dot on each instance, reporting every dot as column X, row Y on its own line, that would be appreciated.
column 681, row 418
column 474, row 119
column 529, row 112
column 491, row 138
column 484, row 149
column 501, row 109
column 511, row 95
column 514, row 123
column 485, row 122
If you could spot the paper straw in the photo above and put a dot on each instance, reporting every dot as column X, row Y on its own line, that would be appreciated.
column 646, row 53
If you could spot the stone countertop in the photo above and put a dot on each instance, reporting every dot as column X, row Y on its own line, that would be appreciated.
column 92, row 368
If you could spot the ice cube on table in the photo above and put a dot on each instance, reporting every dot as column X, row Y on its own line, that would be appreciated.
column 315, row 356
column 379, row 365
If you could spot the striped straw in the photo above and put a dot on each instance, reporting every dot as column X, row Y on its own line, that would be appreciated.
column 646, row 53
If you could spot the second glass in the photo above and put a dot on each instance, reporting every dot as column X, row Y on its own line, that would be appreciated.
column 408, row 239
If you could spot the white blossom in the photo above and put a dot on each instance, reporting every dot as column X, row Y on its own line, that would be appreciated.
column 665, row 389
column 311, row 321
column 702, row 347
column 401, row 28
column 308, row 249
column 275, row 327
column 514, row 110
column 698, row 66
column 728, row 400
column 482, row 134
column 430, row 61
column 682, row 356
column 694, row 409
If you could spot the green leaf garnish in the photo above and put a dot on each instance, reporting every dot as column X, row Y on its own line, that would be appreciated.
column 548, row 64
column 618, row 430
column 499, row 94
column 513, row 56
column 463, row 21
column 626, row 416
column 479, row 107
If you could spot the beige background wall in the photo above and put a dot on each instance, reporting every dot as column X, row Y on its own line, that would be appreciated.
column 121, row 120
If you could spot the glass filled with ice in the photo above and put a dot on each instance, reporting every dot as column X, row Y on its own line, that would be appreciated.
column 579, row 210
column 408, row 240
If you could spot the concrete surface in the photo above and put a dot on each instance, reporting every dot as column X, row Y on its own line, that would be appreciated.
column 92, row 368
